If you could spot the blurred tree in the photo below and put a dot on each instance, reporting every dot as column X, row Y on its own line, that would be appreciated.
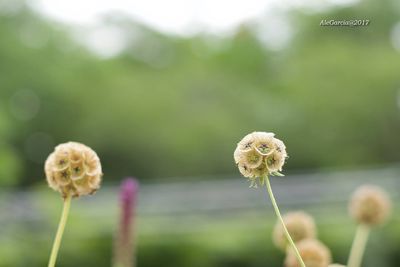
column 174, row 106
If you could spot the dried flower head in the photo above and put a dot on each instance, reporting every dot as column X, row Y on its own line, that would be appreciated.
column 73, row 169
column 370, row 205
column 300, row 226
column 260, row 154
column 313, row 253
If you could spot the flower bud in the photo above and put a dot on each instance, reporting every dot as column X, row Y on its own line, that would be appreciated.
column 73, row 169
column 300, row 226
column 313, row 253
column 260, row 154
column 370, row 205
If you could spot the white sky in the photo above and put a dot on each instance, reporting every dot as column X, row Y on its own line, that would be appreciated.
column 182, row 17
column 173, row 16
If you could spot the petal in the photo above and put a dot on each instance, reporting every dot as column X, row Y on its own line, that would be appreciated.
column 252, row 159
column 78, row 171
column 63, row 177
column 82, row 185
column 51, row 180
column 245, row 170
column 61, row 161
column 275, row 162
column 238, row 155
column 261, row 170
column 246, row 143
column 76, row 155
column 280, row 146
column 94, row 181
column 264, row 146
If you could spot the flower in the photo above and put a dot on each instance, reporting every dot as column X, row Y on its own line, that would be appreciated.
column 73, row 169
column 370, row 205
column 313, row 253
column 124, row 243
column 300, row 226
column 260, row 154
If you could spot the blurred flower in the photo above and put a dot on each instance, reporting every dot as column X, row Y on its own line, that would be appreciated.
column 300, row 226
column 73, row 169
column 313, row 253
column 260, row 154
column 370, row 205
column 124, row 250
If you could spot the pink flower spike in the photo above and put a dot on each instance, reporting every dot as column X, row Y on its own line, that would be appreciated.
column 124, row 246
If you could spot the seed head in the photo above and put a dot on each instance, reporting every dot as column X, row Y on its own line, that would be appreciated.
column 300, row 226
column 260, row 154
column 313, row 253
column 73, row 169
column 370, row 205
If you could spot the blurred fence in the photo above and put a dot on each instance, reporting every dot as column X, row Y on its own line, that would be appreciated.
column 213, row 220
column 214, row 199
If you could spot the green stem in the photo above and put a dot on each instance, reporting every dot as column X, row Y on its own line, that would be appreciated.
column 60, row 231
column 358, row 247
column 278, row 214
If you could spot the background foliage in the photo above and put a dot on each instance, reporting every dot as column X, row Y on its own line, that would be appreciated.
column 172, row 106
column 331, row 94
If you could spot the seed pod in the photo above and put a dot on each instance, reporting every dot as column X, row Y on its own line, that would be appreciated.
column 260, row 154
column 300, row 226
column 73, row 169
column 370, row 205
column 313, row 253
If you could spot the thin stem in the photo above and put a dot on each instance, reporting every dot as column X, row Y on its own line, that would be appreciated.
column 60, row 231
column 278, row 214
column 358, row 247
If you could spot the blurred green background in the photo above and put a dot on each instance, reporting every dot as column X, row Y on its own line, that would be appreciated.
column 171, row 108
